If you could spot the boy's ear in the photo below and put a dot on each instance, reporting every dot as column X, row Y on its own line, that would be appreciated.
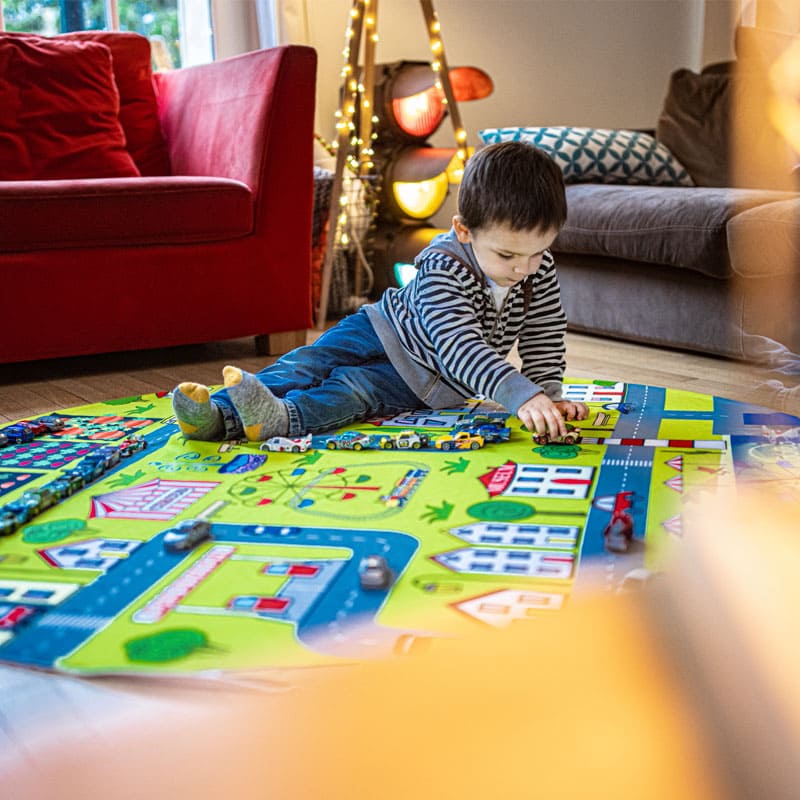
column 462, row 231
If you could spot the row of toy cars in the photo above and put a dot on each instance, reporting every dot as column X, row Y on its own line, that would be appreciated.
column 405, row 440
column 91, row 467
column 464, row 436
column 469, row 434
column 27, row 430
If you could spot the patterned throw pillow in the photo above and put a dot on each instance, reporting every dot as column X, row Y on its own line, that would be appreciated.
column 600, row 155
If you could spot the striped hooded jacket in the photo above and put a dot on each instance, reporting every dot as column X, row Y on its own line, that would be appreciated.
column 446, row 338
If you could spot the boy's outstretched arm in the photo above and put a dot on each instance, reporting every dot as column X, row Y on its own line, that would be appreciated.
column 540, row 414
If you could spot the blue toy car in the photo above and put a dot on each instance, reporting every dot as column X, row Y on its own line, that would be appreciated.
column 76, row 480
column 8, row 522
column 92, row 467
column 60, row 487
column 382, row 441
column 349, row 440
column 106, row 456
column 44, row 496
column 24, row 508
column 489, row 431
column 18, row 434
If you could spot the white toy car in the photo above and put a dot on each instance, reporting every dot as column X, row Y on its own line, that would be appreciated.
column 188, row 533
column 411, row 440
column 374, row 573
column 282, row 444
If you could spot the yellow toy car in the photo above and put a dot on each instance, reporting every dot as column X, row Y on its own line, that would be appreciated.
column 462, row 440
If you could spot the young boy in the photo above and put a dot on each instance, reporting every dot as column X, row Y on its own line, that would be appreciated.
column 486, row 284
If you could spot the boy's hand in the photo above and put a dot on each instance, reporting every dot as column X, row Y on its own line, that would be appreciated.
column 570, row 410
column 540, row 414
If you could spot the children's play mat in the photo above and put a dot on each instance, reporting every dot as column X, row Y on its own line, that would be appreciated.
column 326, row 556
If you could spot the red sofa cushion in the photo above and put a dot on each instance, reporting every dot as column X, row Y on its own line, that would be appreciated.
column 125, row 212
column 138, row 105
column 138, row 109
column 59, row 109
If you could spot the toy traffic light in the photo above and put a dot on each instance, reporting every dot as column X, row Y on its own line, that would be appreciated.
column 415, row 177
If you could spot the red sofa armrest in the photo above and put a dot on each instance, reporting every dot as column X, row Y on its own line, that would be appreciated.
column 227, row 119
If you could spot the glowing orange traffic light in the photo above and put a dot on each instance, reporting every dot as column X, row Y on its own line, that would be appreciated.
column 419, row 114
column 415, row 178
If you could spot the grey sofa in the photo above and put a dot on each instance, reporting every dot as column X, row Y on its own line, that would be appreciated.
column 713, row 268
column 699, row 268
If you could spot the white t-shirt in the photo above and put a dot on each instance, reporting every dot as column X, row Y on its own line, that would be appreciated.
column 500, row 292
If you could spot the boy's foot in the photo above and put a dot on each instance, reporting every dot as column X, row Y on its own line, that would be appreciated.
column 262, row 414
column 198, row 417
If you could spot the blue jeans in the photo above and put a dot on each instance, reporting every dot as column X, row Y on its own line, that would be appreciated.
column 344, row 377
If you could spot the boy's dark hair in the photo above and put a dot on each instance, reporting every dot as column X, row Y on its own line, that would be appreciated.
column 514, row 184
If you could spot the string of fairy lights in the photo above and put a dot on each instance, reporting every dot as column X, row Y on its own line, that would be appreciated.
column 356, row 140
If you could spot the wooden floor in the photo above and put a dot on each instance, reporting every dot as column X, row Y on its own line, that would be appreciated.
column 40, row 387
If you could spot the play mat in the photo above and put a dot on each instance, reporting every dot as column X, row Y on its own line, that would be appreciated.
column 327, row 556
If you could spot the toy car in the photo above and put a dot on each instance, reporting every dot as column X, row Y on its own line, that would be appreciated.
column 618, row 534
column 490, row 431
column 60, row 487
column 411, row 440
column 282, row 444
column 53, row 423
column 91, row 467
column 18, row 434
column 133, row 444
column 24, row 508
column 188, row 533
column 75, row 479
column 349, row 440
column 382, row 441
column 9, row 522
column 572, row 436
column 36, row 427
column 44, row 496
column 108, row 456
column 639, row 579
column 374, row 573
column 462, row 440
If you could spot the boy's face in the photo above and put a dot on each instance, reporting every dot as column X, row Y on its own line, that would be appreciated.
column 506, row 256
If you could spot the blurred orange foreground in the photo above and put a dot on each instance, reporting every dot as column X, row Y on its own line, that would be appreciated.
column 688, row 690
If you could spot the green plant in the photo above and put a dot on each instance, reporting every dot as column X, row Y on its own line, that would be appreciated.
column 148, row 17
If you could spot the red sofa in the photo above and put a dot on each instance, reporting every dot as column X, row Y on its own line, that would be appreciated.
column 218, row 248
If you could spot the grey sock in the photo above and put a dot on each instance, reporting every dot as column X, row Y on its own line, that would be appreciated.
column 198, row 416
column 263, row 415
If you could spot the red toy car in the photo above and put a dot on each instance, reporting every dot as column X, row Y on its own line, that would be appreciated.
column 37, row 428
column 618, row 534
column 131, row 445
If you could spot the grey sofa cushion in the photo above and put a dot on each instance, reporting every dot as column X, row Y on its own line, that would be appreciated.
column 673, row 226
column 765, row 241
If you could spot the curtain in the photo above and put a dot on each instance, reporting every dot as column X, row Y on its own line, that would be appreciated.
column 282, row 22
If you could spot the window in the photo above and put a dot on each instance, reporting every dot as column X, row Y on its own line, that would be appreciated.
column 179, row 30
